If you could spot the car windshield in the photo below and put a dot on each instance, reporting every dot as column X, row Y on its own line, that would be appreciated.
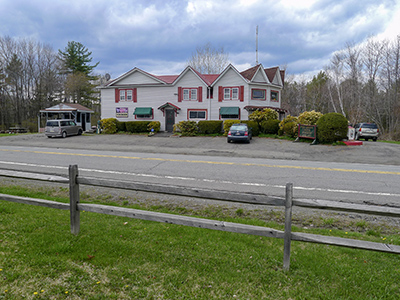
column 371, row 126
column 52, row 123
column 239, row 127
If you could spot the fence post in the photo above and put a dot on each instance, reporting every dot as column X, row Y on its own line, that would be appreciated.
column 74, row 199
column 288, row 226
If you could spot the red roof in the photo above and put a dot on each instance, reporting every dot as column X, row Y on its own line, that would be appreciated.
column 249, row 73
column 167, row 78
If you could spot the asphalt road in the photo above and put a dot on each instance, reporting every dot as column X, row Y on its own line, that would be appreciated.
column 369, row 153
column 318, row 171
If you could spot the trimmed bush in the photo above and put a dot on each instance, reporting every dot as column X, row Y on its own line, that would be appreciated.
column 332, row 127
column 309, row 117
column 186, row 128
column 121, row 126
column 270, row 126
column 288, row 126
column 137, row 126
column 155, row 125
column 254, row 127
column 228, row 124
column 210, row 127
column 109, row 126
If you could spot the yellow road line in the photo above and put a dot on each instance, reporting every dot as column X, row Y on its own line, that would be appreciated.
column 208, row 162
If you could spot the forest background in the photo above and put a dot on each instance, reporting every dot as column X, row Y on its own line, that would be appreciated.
column 362, row 82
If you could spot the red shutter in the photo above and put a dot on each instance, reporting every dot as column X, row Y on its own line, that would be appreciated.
column 200, row 94
column 220, row 93
column 179, row 94
column 241, row 93
column 134, row 95
column 116, row 95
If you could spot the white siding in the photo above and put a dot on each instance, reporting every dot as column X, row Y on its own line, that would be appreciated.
column 230, row 79
column 155, row 96
column 137, row 78
column 259, row 77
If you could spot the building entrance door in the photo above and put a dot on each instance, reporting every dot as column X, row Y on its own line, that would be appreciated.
column 169, row 120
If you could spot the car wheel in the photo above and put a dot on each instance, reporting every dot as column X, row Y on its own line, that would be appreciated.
column 375, row 139
column 228, row 141
column 79, row 132
column 64, row 134
column 49, row 136
column 366, row 139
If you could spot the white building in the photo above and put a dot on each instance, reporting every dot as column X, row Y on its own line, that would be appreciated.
column 138, row 95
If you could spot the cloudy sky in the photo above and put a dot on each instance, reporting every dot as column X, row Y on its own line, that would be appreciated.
column 160, row 36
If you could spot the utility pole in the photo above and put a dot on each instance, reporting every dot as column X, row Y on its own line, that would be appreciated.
column 257, row 45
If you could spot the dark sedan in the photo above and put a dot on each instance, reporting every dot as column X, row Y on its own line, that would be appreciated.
column 239, row 132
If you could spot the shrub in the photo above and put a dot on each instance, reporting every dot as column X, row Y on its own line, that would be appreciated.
column 109, row 126
column 254, row 127
column 31, row 125
column 263, row 115
column 137, row 126
column 332, row 127
column 288, row 126
column 186, row 128
column 228, row 124
column 270, row 126
column 121, row 126
column 309, row 117
column 210, row 127
column 155, row 125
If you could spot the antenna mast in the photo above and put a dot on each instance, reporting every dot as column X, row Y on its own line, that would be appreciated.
column 257, row 45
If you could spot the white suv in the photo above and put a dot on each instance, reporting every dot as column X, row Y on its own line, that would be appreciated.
column 62, row 128
column 366, row 131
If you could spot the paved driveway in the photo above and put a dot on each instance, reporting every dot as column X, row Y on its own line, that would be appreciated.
column 370, row 152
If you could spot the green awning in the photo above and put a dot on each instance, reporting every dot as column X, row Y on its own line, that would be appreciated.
column 139, row 111
column 234, row 110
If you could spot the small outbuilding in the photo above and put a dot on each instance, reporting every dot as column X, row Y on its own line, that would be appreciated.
column 81, row 114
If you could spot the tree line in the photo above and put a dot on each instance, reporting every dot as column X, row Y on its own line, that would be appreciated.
column 33, row 76
column 362, row 82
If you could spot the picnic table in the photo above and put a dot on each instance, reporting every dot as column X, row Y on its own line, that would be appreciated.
column 17, row 130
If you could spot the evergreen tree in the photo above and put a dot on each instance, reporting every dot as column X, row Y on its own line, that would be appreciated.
column 76, row 58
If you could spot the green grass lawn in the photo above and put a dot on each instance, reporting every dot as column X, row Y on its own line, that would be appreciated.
column 121, row 258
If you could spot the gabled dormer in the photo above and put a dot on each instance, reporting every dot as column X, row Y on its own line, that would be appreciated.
column 256, row 74
column 275, row 75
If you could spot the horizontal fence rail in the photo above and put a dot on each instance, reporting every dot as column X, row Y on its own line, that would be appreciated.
column 288, row 202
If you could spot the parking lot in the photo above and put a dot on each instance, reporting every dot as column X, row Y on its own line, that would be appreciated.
column 370, row 152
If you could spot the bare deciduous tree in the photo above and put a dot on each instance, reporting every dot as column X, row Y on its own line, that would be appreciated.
column 209, row 60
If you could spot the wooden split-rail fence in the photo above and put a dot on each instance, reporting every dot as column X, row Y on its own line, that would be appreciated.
column 75, row 207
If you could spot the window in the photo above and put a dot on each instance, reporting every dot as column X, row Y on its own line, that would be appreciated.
column 235, row 93
column 274, row 96
column 122, row 95
column 125, row 95
column 227, row 94
column 129, row 95
column 186, row 94
column 229, row 113
column 197, row 114
column 258, row 94
column 231, row 93
column 190, row 94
